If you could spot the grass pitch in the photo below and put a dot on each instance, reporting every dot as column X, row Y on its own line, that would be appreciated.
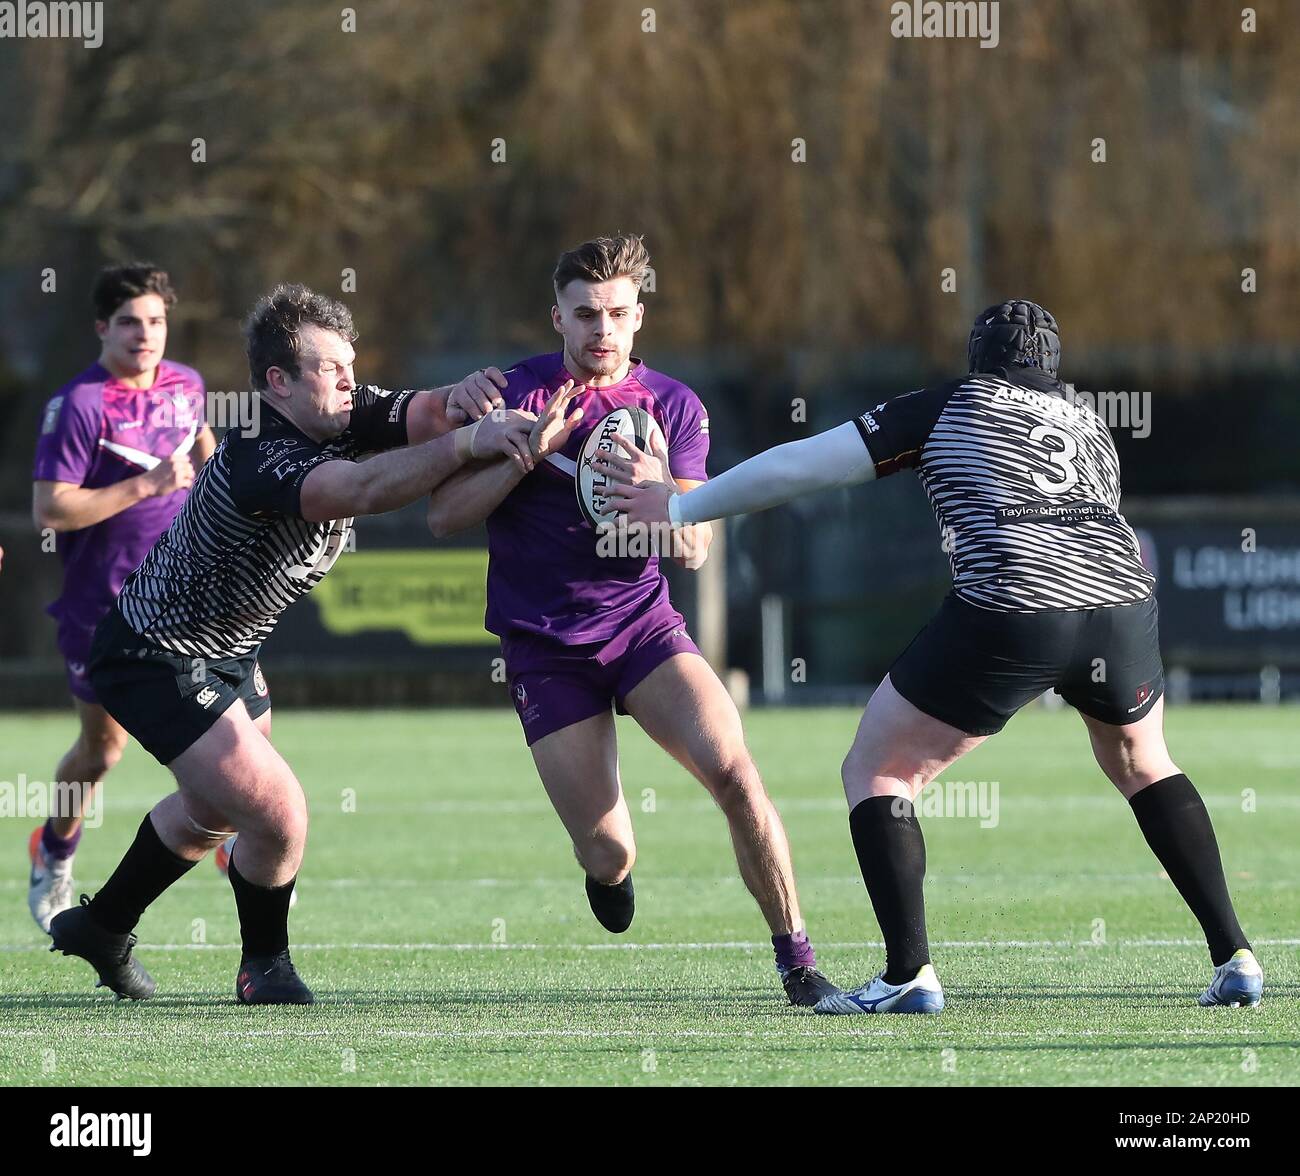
column 443, row 924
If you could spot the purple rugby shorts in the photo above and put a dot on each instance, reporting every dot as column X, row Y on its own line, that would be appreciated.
column 554, row 685
column 74, row 644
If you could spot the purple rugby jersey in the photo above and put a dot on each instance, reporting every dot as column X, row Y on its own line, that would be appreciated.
column 544, row 575
column 91, row 433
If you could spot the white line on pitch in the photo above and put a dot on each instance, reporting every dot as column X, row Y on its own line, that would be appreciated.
column 737, row 945
column 966, row 877
column 840, row 1029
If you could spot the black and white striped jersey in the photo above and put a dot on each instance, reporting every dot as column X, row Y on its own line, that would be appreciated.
column 1024, row 482
column 240, row 552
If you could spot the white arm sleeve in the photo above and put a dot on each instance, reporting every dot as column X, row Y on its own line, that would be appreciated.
column 837, row 457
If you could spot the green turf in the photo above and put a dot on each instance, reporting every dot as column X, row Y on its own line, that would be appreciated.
column 444, row 927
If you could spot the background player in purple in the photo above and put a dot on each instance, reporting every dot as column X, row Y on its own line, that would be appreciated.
column 117, row 452
column 581, row 628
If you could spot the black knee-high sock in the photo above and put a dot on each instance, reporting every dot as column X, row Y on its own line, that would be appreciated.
column 263, row 913
column 1173, row 819
column 148, row 868
column 891, row 852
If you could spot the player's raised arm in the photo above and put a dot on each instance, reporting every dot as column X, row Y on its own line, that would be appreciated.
column 338, row 489
column 646, row 494
column 436, row 412
column 476, row 395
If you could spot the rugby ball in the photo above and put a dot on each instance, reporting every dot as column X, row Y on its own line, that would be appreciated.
column 591, row 484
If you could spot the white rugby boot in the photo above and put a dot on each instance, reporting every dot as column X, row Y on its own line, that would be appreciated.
column 922, row 994
column 1239, row 983
column 49, row 885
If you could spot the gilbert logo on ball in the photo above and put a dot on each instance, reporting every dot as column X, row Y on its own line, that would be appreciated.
column 591, row 485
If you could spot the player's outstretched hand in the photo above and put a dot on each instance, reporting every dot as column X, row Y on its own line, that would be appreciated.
column 642, row 482
column 506, row 432
column 476, row 396
column 553, row 426
column 170, row 474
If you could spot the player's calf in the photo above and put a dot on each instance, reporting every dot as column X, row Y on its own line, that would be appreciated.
column 734, row 783
column 608, row 864
column 92, row 760
column 606, row 859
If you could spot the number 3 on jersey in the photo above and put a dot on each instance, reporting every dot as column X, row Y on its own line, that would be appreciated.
column 1062, row 457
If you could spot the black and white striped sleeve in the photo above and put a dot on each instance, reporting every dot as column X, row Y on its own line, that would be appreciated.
column 895, row 432
column 267, row 482
column 378, row 420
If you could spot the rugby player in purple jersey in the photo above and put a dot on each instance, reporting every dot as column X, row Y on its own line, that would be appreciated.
column 118, row 449
column 583, row 627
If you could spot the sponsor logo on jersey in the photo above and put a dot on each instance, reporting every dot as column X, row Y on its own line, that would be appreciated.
column 285, row 468
column 1044, row 402
column 52, row 415
column 869, row 422
column 395, row 411
column 206, row 697
column 1045, row 511
column 274, row 451
column 184, row 411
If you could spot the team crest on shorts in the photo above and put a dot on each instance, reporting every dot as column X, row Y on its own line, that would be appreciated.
column 1143, row 695
column 259, row 680
column 527, row 708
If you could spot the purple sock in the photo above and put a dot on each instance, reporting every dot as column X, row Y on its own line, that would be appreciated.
column 793, row 951
column 56, row 846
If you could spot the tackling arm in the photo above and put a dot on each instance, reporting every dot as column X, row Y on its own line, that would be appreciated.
column 470, row 495
column 695, row 540
column 837, row 457
column 426, row 416
column 338, row 488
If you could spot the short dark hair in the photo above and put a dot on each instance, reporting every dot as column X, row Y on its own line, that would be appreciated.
column 120, row 283
column 273, row 331
column 602, row 260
